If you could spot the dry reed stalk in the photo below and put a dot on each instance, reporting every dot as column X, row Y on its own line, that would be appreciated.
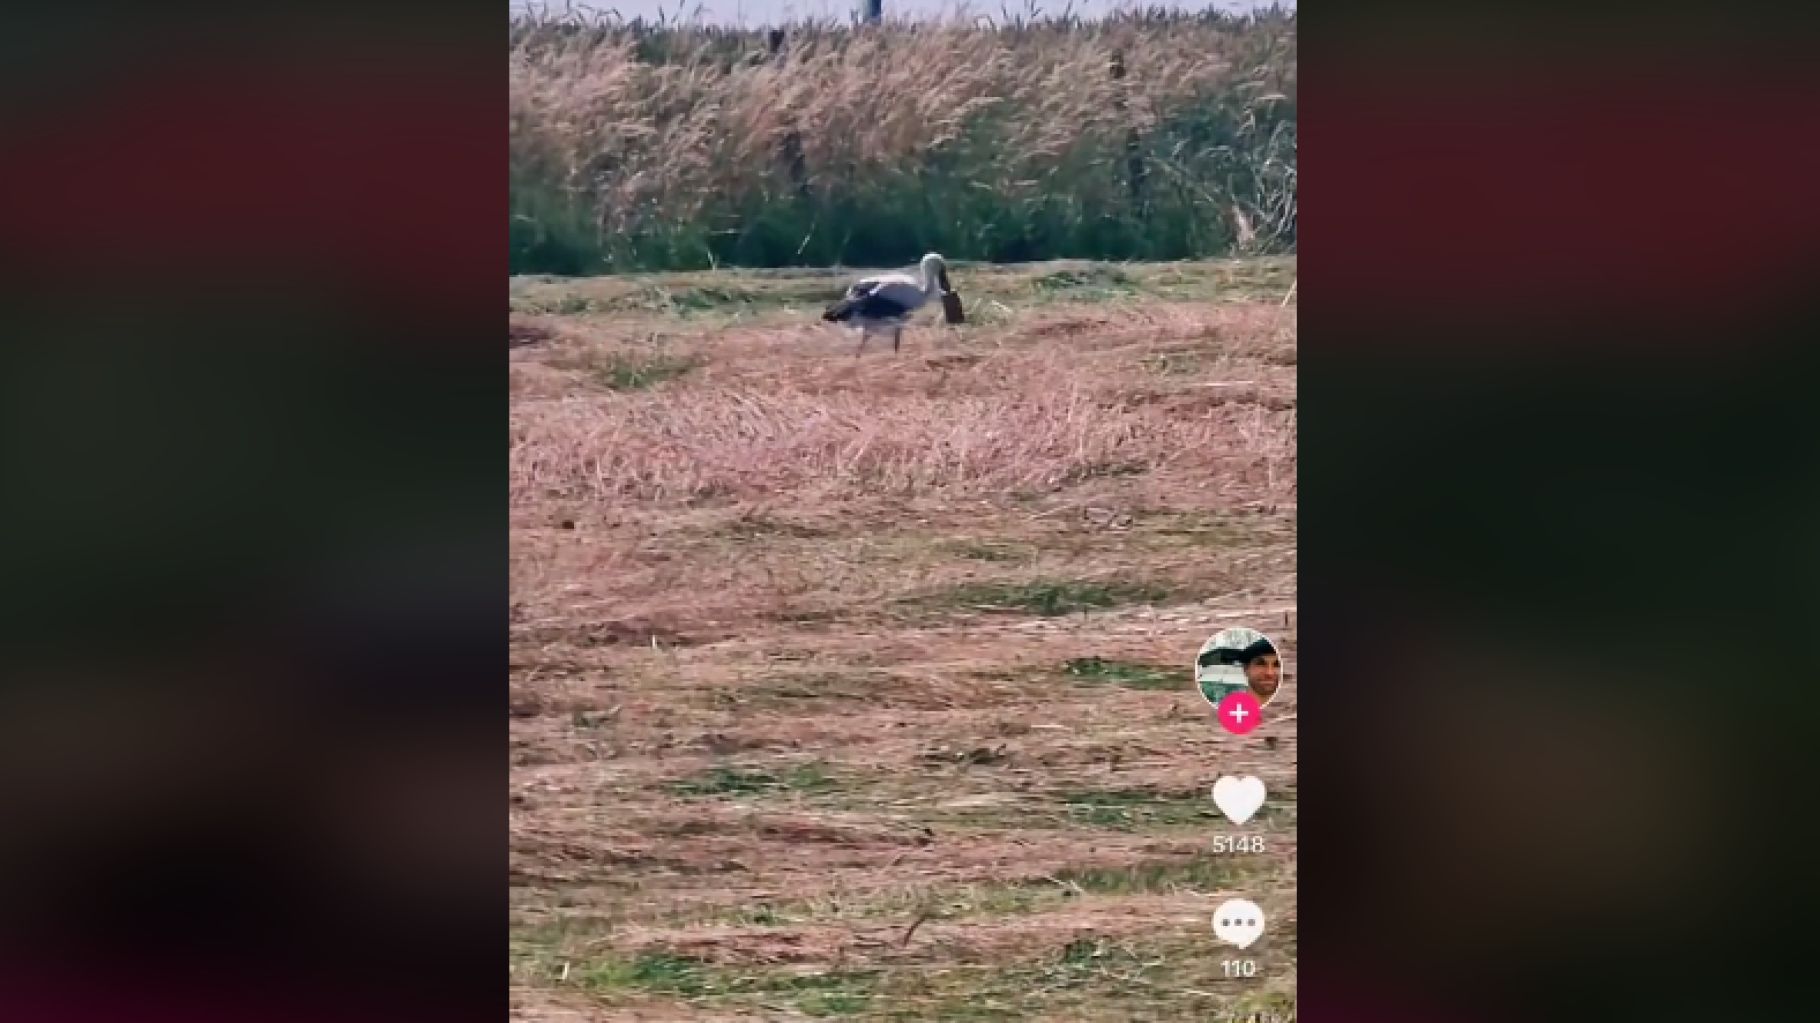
column 693, row 144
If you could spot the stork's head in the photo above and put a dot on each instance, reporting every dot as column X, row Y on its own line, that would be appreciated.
column 935, row 268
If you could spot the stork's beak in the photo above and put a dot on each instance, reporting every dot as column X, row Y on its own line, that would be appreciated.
column 941, row 276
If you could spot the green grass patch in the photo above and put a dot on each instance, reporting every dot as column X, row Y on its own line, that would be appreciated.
column 948, row 902
column 1081, row 951
column 1094, row 281
column 759, row 525
column 1243, row 279
column 1090, row 977
column 834, row 1003
column 1078, row 976
column 797, row 689
column 830, row 994
column 1047, row 598
column 1130, row 810
column 1128, row 674
column 622, row 372
column 1010, row 898
column 1199, row 872
column 1089, row 283
column 805, row 616
column 1212, row 530
column 992, row 551
column 732, row 781
column 637, row 295
column 658, row 972
column 1137, row 809
column 1085, row 977
column 1107, row 469
column 704, row 298
column 1175, row 363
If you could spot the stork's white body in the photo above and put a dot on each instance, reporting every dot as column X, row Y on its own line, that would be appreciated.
column 885, row 302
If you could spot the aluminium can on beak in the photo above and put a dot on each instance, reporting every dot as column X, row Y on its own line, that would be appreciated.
column 952, row 310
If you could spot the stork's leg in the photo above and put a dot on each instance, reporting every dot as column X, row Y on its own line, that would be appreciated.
column 897, row 338
column 863, row 335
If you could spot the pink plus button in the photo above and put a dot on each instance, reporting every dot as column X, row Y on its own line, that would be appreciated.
column 1240, row 713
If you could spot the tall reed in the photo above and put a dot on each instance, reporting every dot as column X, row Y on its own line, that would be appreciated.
column 639, row 146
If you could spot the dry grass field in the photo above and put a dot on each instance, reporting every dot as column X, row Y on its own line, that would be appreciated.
column 862, row 687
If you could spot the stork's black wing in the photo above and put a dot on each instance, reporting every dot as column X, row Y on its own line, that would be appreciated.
column 864, row 300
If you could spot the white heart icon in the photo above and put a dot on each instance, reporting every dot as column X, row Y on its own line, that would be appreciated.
column 1238, row 798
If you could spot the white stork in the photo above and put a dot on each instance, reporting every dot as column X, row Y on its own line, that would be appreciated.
column 885, row 302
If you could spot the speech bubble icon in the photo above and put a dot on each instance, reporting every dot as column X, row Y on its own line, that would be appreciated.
column 1238, row 798
column 1238, row 922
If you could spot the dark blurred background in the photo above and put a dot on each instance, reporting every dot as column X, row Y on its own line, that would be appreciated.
column 252, row 758
column 1558, row 448
column 1558, row 452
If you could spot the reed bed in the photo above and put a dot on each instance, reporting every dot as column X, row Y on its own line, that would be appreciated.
column 673, row 146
